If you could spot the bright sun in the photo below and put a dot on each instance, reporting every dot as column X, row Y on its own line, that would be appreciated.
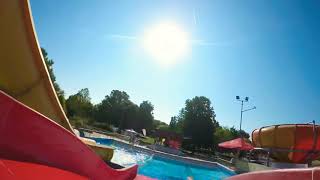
column 167, row 43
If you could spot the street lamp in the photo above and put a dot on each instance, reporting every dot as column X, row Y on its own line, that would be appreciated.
column 246, row 99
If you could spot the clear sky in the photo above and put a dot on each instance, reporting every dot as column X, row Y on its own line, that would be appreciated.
column 267, row 50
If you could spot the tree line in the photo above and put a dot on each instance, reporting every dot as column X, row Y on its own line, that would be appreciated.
column 115, row 109
column 196, row 122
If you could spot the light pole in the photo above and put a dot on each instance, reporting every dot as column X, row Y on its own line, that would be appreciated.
column 246, row 99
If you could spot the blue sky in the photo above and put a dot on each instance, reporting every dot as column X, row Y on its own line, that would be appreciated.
column 267, row 50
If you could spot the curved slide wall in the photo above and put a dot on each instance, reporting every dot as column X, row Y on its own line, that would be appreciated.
column 22, row 170
column 29, row 136
column 23, row 73
column 293, row 143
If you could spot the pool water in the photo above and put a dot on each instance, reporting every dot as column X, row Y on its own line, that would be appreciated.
column 162, row 168
column 168, row 169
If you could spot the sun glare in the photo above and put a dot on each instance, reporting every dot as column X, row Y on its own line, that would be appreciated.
column 167, row 43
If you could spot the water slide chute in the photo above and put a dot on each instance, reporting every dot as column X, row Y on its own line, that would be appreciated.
column 11, row 170
column 291, row 143
column 288, row 143
column 27, row 135
column 23, row 74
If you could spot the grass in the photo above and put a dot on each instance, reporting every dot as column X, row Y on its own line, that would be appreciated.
column 148, row 140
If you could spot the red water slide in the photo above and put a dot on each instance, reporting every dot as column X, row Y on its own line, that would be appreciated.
column 22, row 170
column 26, row 135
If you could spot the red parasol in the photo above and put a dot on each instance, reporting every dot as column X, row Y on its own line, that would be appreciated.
column 238, row 143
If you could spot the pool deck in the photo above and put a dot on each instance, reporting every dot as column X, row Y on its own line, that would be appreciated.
column 185, row 159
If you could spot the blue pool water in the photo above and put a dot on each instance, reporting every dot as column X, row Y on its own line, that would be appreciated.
column 162, row 168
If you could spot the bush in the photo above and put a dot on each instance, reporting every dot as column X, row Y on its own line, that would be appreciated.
column 103, row 126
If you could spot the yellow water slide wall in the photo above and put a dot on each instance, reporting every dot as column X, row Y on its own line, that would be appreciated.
column 297, row 143
column 23, row 73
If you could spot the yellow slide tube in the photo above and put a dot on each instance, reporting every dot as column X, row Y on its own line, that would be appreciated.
column 292, row 143
column 23, row 73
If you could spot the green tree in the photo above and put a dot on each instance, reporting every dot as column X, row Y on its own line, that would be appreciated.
column 117, row 109
column 49, row 64
column 146, row 115
column 130, row 117
column 236, row 133
column 79, row 104
column 199, row 122
column 173, row 122
column 116, row 105
column 176, row 123
column 222, row 134
column 157, row 124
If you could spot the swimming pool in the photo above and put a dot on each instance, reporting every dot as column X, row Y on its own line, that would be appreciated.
column 159, row 167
